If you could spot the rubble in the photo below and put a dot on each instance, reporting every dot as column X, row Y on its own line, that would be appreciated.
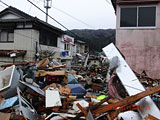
column 94, row 88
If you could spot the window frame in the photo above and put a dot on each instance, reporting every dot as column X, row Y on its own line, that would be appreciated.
column 8, row 32
column 138, row 6
column 67, row 48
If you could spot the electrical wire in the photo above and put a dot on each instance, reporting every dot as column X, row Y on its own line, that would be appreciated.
column 16, row 32
column 108, row 2
column 53, row 18
column 4, row 3
column 48, row 16
column 75, row 35
column 30, row 8
column 71, row 16
column 32, row 5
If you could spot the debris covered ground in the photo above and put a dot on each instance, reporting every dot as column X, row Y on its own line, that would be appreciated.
column 96, row 88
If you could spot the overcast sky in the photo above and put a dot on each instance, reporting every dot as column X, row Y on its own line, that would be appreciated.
column 91, row 14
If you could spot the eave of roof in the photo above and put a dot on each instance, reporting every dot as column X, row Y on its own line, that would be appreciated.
column 27, row 17
column 79, row 41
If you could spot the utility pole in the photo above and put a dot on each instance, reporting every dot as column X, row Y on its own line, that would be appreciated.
column 47, row 5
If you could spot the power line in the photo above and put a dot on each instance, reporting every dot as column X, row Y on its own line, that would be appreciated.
column 75, row 35
column 30, row 8
column 74, row 17
column 49, row 16
column 4, row 3
column 25, row 36
column 71, row 16
column 45, row 13
column 52, row 18
column 108, row 2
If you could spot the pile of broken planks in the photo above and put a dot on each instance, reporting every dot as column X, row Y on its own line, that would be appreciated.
column 47, row 90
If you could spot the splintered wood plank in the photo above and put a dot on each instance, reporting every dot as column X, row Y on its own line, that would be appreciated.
column 82, row 109
column 91, row 108
column 128, row 100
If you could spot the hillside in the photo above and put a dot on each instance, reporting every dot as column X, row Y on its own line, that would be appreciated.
column 97, row 39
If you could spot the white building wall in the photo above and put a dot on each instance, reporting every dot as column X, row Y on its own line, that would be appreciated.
column 23, row 40
column 140, row 46
column 82, row 49
column 26, row 40
column 60, row 43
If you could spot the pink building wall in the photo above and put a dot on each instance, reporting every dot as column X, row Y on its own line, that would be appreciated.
column 141, row 47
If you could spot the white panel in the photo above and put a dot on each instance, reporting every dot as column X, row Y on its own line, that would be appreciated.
column 131, row 82
column 52, row 98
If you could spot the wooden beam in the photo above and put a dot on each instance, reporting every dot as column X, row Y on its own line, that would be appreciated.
column 82, row 109
column 114, row 114
column 126, row 101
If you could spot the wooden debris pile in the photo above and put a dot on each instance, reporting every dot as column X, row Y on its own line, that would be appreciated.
column 104, row 90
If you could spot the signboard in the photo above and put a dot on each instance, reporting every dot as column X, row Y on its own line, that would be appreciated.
column 68, row 38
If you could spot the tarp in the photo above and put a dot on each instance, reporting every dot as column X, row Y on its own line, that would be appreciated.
column 8, row 102
column 72, row 79
column 77, row 90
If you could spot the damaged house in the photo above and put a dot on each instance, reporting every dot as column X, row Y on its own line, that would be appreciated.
column 81, row 47
column 137, row 34
column 23, row 37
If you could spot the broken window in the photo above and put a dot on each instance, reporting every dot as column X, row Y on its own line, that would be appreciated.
column 6, row 36
column 138, row 16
